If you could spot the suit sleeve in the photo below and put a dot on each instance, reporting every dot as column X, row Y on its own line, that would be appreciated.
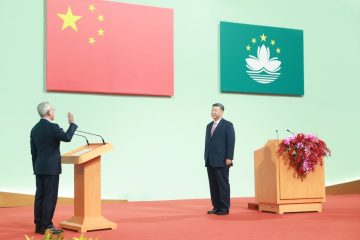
column 65, row 136
column 230, row 141
column 33, row 151
column 206, row 137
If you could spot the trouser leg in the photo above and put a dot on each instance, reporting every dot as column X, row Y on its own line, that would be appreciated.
column 222, row 178
column 214, row 188
column 38, row 203
column 51, row 187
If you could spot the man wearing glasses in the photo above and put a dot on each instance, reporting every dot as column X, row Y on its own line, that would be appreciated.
column 45, row 140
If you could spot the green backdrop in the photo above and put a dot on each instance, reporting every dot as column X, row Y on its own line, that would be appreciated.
column 159, row 141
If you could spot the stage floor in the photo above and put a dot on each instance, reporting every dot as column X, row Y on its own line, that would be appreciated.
column 187, row 219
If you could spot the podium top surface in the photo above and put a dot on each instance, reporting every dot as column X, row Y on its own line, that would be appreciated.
column 272, row 143
column 85, row 153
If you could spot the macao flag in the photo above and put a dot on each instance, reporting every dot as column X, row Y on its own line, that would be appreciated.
column 109, row 47
column 260, row 59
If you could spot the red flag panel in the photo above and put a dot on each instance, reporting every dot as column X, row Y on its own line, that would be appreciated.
column 109, row 47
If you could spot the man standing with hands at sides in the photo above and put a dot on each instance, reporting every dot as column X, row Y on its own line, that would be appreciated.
column 219, row 153
column 45, row 140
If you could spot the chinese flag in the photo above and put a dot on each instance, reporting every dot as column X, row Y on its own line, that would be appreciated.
column 109, row 47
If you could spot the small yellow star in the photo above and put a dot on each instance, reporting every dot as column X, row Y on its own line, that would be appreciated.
column 101, row 32
column 92, row 40
column 248, row 48
column 253, row 40
column 92, row 7
column 278, row 50
column 100, row 18
column 69, row 19
column 272, row 42
column 263, row 38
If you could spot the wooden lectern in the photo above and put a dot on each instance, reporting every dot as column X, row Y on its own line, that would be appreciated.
column 279, row 190
column 87, row 181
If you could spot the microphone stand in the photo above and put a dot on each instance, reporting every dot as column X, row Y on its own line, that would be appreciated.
column 290, row 132
column 93, row 135
column 83, row 137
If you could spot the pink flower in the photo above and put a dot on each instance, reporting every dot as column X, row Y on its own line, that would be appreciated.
column 300, row 145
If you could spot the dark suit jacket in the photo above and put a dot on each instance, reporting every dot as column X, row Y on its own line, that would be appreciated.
column 45, row 140
column 221, row 145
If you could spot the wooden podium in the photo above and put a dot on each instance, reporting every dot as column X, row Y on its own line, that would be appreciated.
column 279, row 190
column 87, row 189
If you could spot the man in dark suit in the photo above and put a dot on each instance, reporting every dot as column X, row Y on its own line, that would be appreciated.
column 45, row 140
column 219, row 153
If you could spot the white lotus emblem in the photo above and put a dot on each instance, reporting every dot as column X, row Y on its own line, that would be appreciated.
column 262, row 68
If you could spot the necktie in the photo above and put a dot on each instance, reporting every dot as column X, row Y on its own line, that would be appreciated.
column 213, row 128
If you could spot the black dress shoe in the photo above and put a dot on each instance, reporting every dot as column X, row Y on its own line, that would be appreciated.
column 40, row 229
column 222, row 212
column 55, row 231
column 214, row 211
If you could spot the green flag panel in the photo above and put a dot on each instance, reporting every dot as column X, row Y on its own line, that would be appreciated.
column 261, row 59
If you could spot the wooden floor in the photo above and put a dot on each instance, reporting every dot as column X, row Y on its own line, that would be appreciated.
column 20, row 200
column 352, row 187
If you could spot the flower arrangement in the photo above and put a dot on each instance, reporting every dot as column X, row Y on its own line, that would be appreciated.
column 304, row 151
column 50, row 236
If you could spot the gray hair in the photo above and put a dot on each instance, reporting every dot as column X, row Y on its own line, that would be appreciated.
column 43, row 108
column 219, row 105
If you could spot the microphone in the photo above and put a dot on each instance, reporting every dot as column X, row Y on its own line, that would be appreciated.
column 290, row 132
column 83, row 137
column 93, row 135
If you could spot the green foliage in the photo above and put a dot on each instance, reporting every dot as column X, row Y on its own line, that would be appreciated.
column 82, row 237
column 50, row 236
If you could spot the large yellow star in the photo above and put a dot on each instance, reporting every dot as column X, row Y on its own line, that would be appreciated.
column 69, row 19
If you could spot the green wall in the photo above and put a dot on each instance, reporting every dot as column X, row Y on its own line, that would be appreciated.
column 159, row 141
